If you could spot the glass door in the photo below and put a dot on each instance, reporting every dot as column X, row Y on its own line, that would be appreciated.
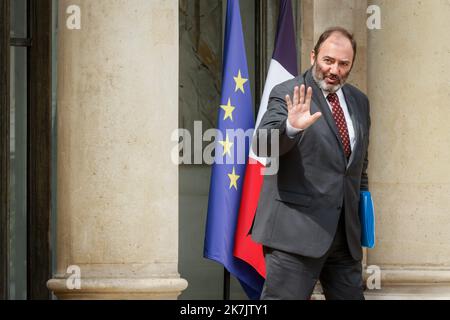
column 18, row 153
column 25, row 148
column 4, row 146
column 201, row 26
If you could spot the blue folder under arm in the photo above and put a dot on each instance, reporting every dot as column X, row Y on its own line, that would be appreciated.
column 367, row 217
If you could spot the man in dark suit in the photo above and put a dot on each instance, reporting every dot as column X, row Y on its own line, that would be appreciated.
column 307, row 217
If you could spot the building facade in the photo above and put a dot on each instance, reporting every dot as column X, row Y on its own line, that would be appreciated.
column 92, row 93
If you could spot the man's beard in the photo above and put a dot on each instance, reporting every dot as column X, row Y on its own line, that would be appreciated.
column 319, row 77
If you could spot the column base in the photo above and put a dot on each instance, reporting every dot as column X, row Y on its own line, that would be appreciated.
column 404, row 292
column 410, row 292
column 119, row 289
column 412, row 283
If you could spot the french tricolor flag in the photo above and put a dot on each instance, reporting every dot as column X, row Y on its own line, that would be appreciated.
column 283, row 67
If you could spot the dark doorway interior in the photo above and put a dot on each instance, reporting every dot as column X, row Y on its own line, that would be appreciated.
column 25, row 144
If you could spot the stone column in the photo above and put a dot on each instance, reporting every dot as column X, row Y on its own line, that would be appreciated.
column 117, row 188
column 409, row 89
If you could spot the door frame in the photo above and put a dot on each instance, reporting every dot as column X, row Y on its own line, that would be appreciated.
column 4, row 146
column 39, row 148
column 39, row 127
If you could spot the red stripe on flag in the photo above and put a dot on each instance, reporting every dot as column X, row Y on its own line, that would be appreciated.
column 244, row 247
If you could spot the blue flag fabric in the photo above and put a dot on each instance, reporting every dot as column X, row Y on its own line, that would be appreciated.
column 227, row 176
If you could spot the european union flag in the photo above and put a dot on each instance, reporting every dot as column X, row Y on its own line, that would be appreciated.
column 228, row 174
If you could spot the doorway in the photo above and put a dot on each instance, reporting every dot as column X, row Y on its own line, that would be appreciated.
column 25, row 144
column 201, row 27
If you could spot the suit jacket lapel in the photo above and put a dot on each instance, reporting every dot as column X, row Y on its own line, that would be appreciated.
column 352, row 109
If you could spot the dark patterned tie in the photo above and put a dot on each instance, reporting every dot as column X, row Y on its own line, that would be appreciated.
column 341, row 124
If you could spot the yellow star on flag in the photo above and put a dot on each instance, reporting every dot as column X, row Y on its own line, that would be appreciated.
column 227, row 144
column 239, row 82
column 233, row 179
column 228, row 110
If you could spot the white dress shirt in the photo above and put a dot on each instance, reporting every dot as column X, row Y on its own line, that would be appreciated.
column 291, row 131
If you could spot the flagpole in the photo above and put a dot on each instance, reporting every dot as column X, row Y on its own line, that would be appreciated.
column 226, row 284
